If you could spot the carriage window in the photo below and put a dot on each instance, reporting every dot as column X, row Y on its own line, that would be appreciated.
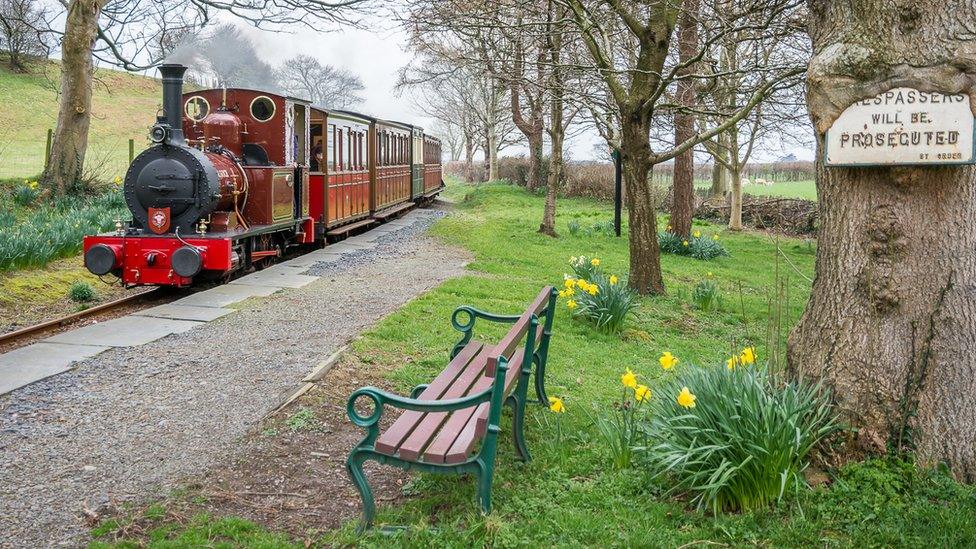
column 330, row 147
column 339, row 149
column 262, row 108
column 196, row 108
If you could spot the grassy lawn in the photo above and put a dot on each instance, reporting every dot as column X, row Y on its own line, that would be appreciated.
column 569, row 494
column 123, row 107
column 806, row 190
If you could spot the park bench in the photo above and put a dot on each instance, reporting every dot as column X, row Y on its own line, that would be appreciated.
column 451, row 425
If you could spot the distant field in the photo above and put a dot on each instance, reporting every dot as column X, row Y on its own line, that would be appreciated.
column 806, row 190
column 124, row 106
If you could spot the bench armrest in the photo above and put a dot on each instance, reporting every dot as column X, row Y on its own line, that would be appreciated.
column 466, row 327
column 383, row 398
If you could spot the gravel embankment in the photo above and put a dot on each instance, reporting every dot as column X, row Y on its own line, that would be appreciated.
column 130, row 424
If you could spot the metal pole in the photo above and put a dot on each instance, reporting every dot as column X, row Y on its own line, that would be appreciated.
column 617, row 194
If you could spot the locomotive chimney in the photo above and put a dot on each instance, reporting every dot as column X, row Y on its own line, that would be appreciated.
column 173, row 98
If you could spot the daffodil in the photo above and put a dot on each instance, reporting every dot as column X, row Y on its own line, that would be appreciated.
column 668, row 228
column 685, row 243
column 595, row 262
column 696, row 234
column 748, row 356
column 668, row 360
column 118, row 180
column 593, row 289
column 642, row 393
column 556, row 405
column 686, row 398
column 570, row 283
column 629, row 379
column 613, row 280
column 715, row 237
column 732, row 363
column 570, row 304
column 710, row 275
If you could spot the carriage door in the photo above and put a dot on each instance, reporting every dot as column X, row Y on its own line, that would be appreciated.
column 297, row 129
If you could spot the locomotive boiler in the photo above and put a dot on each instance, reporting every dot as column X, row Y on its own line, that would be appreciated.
column 234, row 178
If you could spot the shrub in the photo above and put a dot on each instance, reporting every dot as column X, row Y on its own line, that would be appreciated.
column 706, row 295
column 574, row 227
column 81, row 292
column 26, row 194
column 57, row 230
column 699, row 246
column 734, row 438
column 605, row 301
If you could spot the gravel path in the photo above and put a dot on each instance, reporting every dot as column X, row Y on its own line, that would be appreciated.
column 129, row 424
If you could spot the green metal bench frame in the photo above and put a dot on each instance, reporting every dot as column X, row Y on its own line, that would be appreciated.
column 481, row 463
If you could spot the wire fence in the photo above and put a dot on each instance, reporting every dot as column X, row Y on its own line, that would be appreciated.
column 25, row 155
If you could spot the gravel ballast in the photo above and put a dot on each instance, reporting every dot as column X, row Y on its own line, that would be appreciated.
column 131, row 423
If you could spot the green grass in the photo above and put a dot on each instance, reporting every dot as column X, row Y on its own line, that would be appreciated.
column 806, row 190
column 35, row 235
column 569, row 494
column 123, row 106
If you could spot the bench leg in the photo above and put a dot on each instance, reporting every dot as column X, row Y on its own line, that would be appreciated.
column 540, row 382
column 354, row 466
column 518, row 427
column 485, row 474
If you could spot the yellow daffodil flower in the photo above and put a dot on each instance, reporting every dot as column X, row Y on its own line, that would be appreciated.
column 593, row 289
column 629, row 379
column 595, row 262
column 715, row 237
column 556, row 405
column 118, row 180
column 613, row 280
column 571, row 304
column 710, row 275
column 696, row 234
column 668, row 228
column 685, row 243
column 732, row 363
column 686, row 398
column 748, row 356
column 642, row 393
column 570, row 283
column 668, row 360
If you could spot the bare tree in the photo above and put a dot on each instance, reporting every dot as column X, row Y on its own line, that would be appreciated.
column 325, row 85
column 683, row 182
column 891, row 321
column 22, row 31
column 137, row 34
column 630, row 49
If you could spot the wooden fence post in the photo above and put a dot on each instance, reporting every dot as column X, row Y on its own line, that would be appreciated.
column 132, row 150
column 47, row 149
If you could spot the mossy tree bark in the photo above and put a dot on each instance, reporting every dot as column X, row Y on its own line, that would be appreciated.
column 70, row 142
column 891, row 322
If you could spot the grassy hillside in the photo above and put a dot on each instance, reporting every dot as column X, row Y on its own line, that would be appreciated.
column 123, row 107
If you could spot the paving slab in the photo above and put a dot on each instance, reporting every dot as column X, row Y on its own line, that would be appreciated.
column 307, row 260
column 225, row 295
column 35, row 362
column 185, row 312
column 275, row 279
column 126, row 331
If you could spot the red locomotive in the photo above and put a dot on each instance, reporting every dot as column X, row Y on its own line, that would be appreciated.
column 236, row 177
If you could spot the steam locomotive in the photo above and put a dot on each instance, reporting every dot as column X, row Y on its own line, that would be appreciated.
column 236, row 177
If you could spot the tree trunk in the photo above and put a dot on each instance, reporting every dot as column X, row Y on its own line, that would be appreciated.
column 735, row 209
column 891, row 321
column 536, row 178
column 65, row 167
column 720, row 174
column 468, row 159
column 683, row 200
column 645, row 254
column 548, row 226
column 492, row 157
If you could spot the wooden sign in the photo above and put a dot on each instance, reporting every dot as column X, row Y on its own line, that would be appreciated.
column 903, row 126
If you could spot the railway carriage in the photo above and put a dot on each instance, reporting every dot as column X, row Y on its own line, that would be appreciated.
column 237, row 177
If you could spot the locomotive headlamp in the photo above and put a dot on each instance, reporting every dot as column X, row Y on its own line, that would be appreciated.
column 159, row 133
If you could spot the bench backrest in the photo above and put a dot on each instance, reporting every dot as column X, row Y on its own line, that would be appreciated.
column 542, row 308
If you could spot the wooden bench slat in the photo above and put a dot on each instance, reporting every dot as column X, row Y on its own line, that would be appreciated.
column 511, row 340
column 413, row 446
column 390, row 439
column 454, row 427
column 477, row 425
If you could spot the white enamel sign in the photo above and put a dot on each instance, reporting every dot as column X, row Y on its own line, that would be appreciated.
column 903, row 126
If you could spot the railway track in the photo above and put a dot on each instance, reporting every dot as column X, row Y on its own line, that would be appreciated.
column 12, row 340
